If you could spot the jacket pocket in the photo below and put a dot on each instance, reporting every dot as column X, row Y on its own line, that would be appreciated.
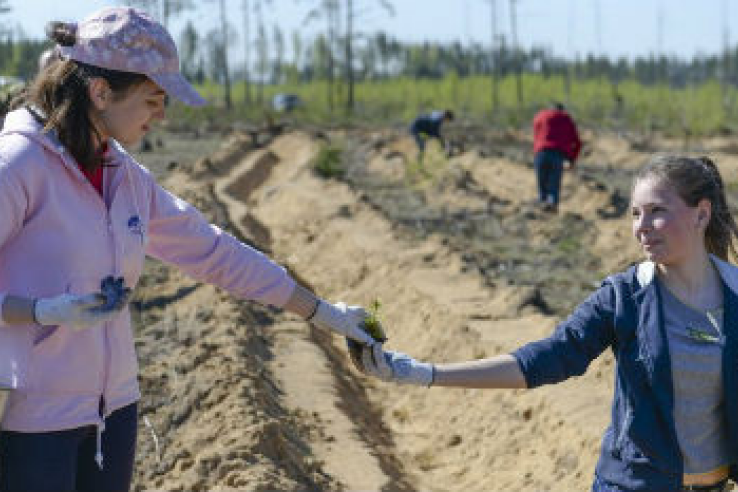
column 123, row 361
column 638, row 442
column 64, row 360
column 15, row 353
column 41, row 334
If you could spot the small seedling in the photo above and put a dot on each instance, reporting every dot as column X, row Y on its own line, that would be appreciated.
column 373, row 327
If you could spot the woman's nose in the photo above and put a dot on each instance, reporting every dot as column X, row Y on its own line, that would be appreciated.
column 642, row 223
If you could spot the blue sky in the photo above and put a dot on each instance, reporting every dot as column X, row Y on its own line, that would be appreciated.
column 569, row 27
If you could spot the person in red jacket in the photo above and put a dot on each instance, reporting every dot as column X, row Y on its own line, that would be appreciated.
column 555, row 140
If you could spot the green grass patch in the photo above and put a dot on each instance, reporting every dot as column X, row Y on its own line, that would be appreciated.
column 690, row 111
column 569, row 245
column 328, row 162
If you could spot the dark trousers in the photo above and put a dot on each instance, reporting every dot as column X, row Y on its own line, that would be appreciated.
column 64, row 461
column 549, row 165
column 420, row 138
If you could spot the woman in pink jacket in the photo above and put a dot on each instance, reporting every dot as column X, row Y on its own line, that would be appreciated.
column 75, row 210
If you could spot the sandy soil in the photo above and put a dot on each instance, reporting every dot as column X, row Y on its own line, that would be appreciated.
column 241, row 397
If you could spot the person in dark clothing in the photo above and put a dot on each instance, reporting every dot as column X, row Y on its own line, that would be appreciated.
column 555, row 140
column 429, row 126
column 671, row 323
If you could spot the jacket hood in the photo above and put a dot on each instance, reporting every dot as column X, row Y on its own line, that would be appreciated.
column 22, row 122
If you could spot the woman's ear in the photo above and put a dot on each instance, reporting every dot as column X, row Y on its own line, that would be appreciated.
column 99, row 92
column 704, row 212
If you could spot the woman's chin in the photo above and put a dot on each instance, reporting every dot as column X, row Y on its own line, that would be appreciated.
column 130, row 142
column 654, row 256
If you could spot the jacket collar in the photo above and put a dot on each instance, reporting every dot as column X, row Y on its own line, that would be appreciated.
column 646, row 273
column 652, row 342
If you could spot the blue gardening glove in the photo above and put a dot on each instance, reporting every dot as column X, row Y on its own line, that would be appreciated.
column 396, row 367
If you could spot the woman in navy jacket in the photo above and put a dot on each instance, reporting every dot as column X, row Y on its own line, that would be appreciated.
column 672, row 324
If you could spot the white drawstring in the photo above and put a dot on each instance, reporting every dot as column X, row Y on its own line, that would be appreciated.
column 99, row 453
column 155, row 438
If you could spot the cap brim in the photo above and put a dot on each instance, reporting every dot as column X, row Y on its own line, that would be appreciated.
column 177, row 87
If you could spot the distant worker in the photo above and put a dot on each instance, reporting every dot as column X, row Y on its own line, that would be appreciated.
column 429, row 126
column 555, row 140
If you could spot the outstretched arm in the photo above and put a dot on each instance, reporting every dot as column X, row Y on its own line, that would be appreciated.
column 567, row 352
column 501, row 371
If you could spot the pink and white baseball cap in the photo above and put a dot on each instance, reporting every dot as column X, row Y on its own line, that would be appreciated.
column 126, row 39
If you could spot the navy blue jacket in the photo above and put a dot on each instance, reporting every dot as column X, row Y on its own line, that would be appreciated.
column 639, row 451
column 428, row 124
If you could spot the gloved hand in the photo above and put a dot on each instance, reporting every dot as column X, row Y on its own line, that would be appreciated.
column 342, row 319
column 396, row 366
column 78, row 311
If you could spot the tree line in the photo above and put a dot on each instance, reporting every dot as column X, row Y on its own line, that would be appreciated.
column 342, row 55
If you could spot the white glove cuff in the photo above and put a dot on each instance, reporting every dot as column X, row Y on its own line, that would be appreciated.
column 423, row 374
column 326, row 316
column 410, row 371
column 41, row 307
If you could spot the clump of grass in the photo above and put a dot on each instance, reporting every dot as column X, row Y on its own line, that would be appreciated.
column 328, row 163
column 569, row 245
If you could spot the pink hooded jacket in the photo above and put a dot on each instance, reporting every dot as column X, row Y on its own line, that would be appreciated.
column 57, row 235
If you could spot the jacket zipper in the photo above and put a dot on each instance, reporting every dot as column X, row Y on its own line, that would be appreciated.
column 109, row 225
column 106, row 340
column 624, row 428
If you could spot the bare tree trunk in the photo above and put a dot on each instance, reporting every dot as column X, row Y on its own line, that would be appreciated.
column 516, row 53
column 247, row 54
column 726, row 65
column 349, row 57
column 226, row 74
column 165, row 13
column 261, row 43
column 330, row 16
column 495, row 69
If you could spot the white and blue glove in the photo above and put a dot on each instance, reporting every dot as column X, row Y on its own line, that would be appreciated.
column 396, row 367
column 343, row 319
column 82, row 311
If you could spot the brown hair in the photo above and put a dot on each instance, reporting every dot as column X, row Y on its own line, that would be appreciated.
column 60, row 92
column 695, row 179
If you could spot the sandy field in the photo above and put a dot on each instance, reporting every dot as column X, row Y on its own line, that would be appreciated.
column 238, row 396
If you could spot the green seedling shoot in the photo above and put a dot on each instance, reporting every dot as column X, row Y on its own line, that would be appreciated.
column 371, row 323
column 373, row 327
